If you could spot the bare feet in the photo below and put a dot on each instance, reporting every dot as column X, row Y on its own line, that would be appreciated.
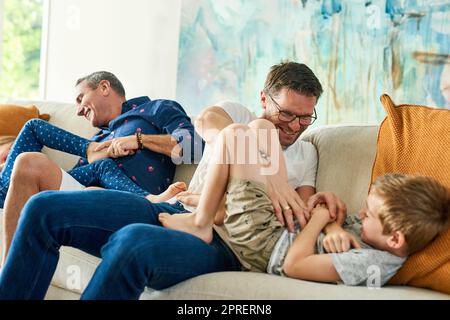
column 186, row 222
column 189, row 198
column 174, row 189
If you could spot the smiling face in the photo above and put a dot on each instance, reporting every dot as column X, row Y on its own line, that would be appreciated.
column 96, row 105
column 372, row 229
column 292, row 102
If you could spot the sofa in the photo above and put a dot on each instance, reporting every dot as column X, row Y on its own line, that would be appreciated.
column 346, row 154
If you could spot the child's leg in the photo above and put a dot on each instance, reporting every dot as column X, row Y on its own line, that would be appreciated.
column 273, row 162
column 219, row 172
column 36, row 134
column 105, row 173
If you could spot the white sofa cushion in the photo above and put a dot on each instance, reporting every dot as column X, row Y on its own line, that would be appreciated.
column 346, row 154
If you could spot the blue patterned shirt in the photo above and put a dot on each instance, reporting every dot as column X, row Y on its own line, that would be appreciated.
column 152, row 171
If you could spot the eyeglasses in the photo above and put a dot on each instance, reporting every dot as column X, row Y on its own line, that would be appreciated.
column 286, row 116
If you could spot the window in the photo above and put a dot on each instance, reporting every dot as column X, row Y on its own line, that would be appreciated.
column 20, row 48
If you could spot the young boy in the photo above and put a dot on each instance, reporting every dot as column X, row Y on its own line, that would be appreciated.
column 403, row 214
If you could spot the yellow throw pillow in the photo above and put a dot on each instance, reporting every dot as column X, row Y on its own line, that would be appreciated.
column 13, row 117
column 416, row 140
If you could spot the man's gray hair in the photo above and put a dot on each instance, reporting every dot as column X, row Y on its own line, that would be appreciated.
column 93, row 80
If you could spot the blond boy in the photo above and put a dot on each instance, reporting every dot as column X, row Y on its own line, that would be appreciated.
column 402, row 215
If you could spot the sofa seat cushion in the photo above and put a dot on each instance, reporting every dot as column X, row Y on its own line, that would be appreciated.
column 260, row 286
column 416, row 140
column 75, row 269
column 234, row 285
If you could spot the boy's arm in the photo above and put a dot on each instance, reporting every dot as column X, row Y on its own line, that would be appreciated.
column 317, row 267
column 301, row 262
column 333, row 227
column 338, row 209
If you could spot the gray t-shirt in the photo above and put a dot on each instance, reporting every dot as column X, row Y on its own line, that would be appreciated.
column 366, row 266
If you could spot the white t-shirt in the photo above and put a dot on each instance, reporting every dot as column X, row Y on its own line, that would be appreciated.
column 301, row 157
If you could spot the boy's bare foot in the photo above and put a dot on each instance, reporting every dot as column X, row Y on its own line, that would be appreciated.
column 186, row 222
column 174, row 189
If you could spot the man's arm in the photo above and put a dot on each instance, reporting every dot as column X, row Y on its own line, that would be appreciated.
column 164, row 144
column 208, row 124
column 124, row 146
column 301, row 262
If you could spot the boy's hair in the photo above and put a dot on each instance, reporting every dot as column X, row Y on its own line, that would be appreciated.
column 6, row 139
column 293, row 76
column 418, row 206
column 93, row 80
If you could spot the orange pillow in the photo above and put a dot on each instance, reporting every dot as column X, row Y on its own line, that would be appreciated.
column 13, row 117
column 416, row 140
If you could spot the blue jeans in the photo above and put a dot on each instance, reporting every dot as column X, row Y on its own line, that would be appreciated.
column 121, row 228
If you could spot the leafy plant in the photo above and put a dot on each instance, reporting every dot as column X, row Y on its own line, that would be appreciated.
column 22, row 30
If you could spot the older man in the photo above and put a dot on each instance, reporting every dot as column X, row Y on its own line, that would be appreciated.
column 160, row 129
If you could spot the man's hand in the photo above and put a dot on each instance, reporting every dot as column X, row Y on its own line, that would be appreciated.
column 337, row 208
column 189, row 198
column 119, row 147
column 338, row 240
column 286, row 203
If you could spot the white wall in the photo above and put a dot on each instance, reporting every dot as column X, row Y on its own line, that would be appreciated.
column 137, row 40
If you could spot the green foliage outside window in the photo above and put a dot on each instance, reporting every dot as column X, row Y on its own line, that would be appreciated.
column 22, row 29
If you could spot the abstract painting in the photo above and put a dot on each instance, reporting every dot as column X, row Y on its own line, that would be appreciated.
column 358, row 49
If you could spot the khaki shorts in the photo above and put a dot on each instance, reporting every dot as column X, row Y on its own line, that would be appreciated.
column 250, row 223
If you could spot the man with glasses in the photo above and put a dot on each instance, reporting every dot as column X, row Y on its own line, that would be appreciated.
column 291, row 120
column 136, row 251
column 288, row 100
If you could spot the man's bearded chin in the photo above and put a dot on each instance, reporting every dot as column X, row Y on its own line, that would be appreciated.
column 287, row 137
